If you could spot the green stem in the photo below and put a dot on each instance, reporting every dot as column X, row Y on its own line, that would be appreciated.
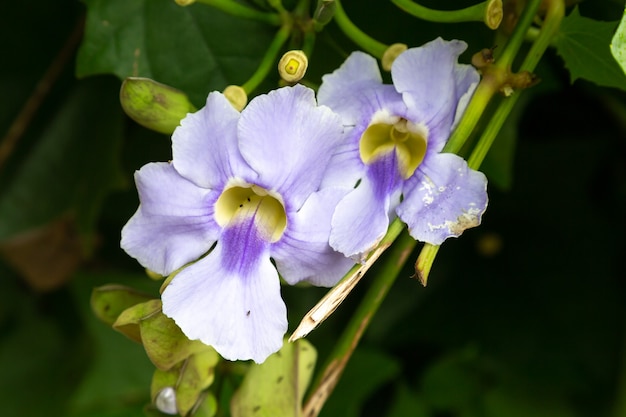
column 326, row 380
column 552, row 22
column 505, row 60
column 269, row 60
column 368, row 44
column 474, row 13
column 308, row 43
column 278, row 6
column 239, row 10
column 473, row 112
column 488, row 86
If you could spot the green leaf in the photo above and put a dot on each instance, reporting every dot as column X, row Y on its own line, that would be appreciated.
column 276, row 387
column 196, row 49
column 109, row 301
column 584, row 45
column 84, row 137
column 618, row 43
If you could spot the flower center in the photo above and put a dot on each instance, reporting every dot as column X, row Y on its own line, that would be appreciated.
column 238, row 203
column 409, row 142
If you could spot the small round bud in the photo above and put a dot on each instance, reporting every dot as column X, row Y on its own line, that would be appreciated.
column 165, row 401
column 391, row 54
column 184, row 2
column 292, row 66
column 237, row 96
column 493, row 14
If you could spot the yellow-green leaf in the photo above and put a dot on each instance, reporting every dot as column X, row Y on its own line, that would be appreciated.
column 128, row 321
column 108, row 301
column 618, row 43
column 276, row 387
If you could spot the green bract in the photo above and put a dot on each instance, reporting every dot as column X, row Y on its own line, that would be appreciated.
column 154, row 105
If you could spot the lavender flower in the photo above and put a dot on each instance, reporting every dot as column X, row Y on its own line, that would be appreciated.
column 391, row 153
column 243, row 189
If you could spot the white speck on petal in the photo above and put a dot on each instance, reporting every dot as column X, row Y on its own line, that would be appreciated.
column 429, row 187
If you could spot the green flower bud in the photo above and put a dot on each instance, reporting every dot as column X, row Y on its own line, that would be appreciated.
column 164, row 342
column 324, row 12
column 154, row 105
column 206, row 406
column 196, row 375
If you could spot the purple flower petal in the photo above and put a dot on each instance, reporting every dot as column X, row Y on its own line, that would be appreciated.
column 345, row 167
column 358, row 74
column 205, row 148
column 356, row 92
column 361, row 218
column 289, row 141
column 303, row 252
column 231, row 298
column 432, row 82
column 174, row 223
column 442, row 201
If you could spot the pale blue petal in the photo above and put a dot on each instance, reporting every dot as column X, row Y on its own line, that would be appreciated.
column 358, row 74
column 174, row 223
column 205, row 147
column 345, row 167
column 447, row 198
column 362, row 217
column 432, row 83
column 231, row 298
column 289, row 141
column 303, row 252
column 467, row 81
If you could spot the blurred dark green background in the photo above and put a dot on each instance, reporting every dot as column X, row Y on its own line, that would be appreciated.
column 524, row 316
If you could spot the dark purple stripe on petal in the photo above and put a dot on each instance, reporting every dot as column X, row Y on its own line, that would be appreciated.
column 385, row 175
column 243, row 246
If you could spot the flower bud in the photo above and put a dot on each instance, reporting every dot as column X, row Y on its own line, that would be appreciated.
column 324, row 12
column 493, row 14
column 184, row 2
column 391, row 54
column 237, row 96
column 292, row 66
column 154, row 105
